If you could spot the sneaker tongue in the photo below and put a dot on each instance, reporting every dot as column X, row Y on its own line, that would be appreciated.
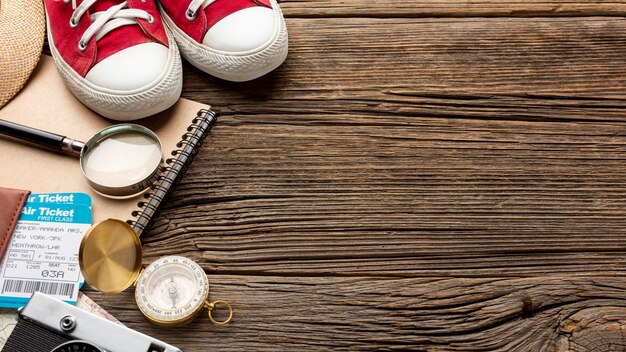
column 103, row 5
column 119, row 38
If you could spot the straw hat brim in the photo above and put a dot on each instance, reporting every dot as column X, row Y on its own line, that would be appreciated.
column 22, row 29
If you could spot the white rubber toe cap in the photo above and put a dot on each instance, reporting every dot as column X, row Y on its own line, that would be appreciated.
column 244, row 30
column 130, row 69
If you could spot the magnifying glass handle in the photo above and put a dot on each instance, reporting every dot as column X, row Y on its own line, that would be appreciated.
column 47, row 140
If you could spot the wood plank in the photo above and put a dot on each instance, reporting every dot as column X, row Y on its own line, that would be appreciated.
column 489, row 68
column 384, row 195
column 348, row 314
column 299, row 186
column 451, row 8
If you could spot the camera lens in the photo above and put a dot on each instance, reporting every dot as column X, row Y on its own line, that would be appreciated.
column 76, row 346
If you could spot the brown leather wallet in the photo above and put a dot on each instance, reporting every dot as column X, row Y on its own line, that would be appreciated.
column 11, row 203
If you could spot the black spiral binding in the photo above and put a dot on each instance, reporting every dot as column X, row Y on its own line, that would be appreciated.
column 175, row 167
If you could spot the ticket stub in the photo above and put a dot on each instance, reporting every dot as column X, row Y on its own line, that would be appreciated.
column 43, row 252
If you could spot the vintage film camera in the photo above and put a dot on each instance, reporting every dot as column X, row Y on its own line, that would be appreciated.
column 46, row 324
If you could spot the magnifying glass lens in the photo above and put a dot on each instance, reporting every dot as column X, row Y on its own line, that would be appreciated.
column 122, row 159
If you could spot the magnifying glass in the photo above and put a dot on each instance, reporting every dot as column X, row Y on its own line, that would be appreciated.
column 118, row 162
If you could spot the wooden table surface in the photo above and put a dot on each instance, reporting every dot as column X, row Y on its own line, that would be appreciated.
column 437, row 175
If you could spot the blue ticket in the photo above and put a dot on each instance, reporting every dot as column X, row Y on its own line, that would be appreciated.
column 43, row 252
column 60, row 198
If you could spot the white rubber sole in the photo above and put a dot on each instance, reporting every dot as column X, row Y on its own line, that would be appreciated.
column 235, row 66
column 151, row 99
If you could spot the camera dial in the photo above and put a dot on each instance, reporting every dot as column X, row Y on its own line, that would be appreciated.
column 76, row 346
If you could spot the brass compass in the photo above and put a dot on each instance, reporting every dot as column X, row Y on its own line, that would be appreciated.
column 170, row 292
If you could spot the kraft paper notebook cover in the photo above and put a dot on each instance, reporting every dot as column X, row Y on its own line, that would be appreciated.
column 46, row 103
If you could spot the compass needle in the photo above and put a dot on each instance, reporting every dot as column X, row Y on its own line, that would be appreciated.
column 172, row 290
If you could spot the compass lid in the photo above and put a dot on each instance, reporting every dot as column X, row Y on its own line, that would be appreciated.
column 110, row 256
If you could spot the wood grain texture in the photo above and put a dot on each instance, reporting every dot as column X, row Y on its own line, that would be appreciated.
column 370, row 172
column 430, row 176
column 450, row 8
column 306, row 195
column 481, row 68
column 374, row 314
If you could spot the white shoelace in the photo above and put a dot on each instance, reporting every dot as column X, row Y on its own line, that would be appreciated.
column 193, row 7
column 104, row 21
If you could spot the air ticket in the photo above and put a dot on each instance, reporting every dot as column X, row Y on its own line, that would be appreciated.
column 43, row 252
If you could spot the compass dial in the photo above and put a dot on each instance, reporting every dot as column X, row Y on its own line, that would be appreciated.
column 76, row 346
column 172, row 290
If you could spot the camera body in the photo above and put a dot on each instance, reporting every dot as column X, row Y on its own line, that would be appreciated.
column 46, row 324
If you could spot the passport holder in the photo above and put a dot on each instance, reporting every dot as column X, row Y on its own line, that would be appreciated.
column 11, row 204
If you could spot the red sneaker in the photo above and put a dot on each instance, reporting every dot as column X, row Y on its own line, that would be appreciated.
column 115, row 56
column 236, row 40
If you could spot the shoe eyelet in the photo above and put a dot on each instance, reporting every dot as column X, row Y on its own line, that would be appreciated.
column 73, row 24
column 150, row 19
column 82, row 46
column 190, row 15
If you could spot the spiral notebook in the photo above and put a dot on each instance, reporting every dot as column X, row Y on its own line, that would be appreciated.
column 46, row 103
